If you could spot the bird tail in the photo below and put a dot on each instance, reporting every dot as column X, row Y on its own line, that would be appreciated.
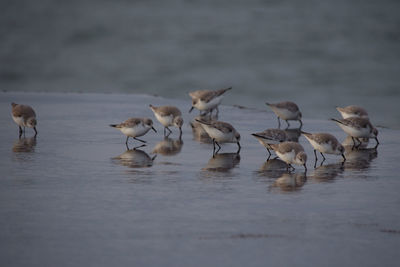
column 203, row 122
column 336, row 120
column 260, row 136
column 305, row 133
column 222, row 91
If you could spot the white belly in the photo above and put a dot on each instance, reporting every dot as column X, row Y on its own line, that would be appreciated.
column 165, row 120
column 363, row 132
column 136, row 131
column 285, row 114
column 19, row 121
column 287, row 157
column 201, row 105
column 324, row 148
column 218, row 135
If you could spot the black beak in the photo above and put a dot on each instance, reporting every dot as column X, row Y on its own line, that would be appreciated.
column 344, row 158
column 377, row 142
column 190, row 110
column 305, row 167
column 153, row 129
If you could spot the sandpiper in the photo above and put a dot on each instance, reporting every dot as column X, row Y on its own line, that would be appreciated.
column 221, row 132
column 24, row 116
column 270, row 136
column 287, row 111
column 135, row 127
column 358, row 128
column 324, row 143
column 207, row 100
column 352, row 111
column 168, row 116
column 291, row 153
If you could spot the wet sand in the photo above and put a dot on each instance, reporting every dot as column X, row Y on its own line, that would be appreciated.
column 75, row 196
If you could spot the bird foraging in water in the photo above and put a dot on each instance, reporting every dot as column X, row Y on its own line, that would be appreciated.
column 168, row 116
column 358, row 128
column 221, row 132
column 24, row 116
column 291, row 153
column 207, row 100
column 135, row 127
column 324, row 143
column 287, row 111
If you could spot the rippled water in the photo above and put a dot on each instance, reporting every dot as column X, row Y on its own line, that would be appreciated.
column 317, row 53
column 74, row 196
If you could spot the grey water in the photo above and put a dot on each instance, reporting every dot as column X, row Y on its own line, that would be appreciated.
column 75, row 196
column 320, row 54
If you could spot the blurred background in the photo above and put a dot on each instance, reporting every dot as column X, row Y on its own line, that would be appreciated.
column 320, row 54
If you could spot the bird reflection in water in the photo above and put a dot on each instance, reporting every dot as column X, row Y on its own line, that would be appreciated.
column 327, row 173
column 168, row 147
column 348, row 142
column 272, row 168
column 289, row 182
column 359, row 159
column 293, row 134
column 135, row 158
column 24, row 144
column 222, row 162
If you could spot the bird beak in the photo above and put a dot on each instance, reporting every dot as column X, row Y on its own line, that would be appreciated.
column 344, row 158
column 153, row 129
column 190, row 110
column 305, row 167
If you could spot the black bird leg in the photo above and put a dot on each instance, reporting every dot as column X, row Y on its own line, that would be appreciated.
column 139, row 140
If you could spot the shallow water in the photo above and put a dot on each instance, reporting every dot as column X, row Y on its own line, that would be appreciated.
column 317, row 53
column 75, row 196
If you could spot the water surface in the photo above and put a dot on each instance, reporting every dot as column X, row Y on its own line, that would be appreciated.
column 74, row 196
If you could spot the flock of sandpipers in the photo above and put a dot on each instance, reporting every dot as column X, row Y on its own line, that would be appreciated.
column 355, row 123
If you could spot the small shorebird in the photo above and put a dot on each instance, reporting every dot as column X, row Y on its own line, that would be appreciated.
column 207, row 100
column 358, row 128
column 24, row 116
column 352, row 111
column 324, row 143
column 291, row 153
column 168, row 116
column 221, row 132
column 135, row 127
column 287, row 111
column 270, row 136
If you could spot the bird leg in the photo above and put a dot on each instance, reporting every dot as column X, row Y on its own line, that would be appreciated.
column 139, row 140
column 377, row 142
column 316, row 159
column 219, row 147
